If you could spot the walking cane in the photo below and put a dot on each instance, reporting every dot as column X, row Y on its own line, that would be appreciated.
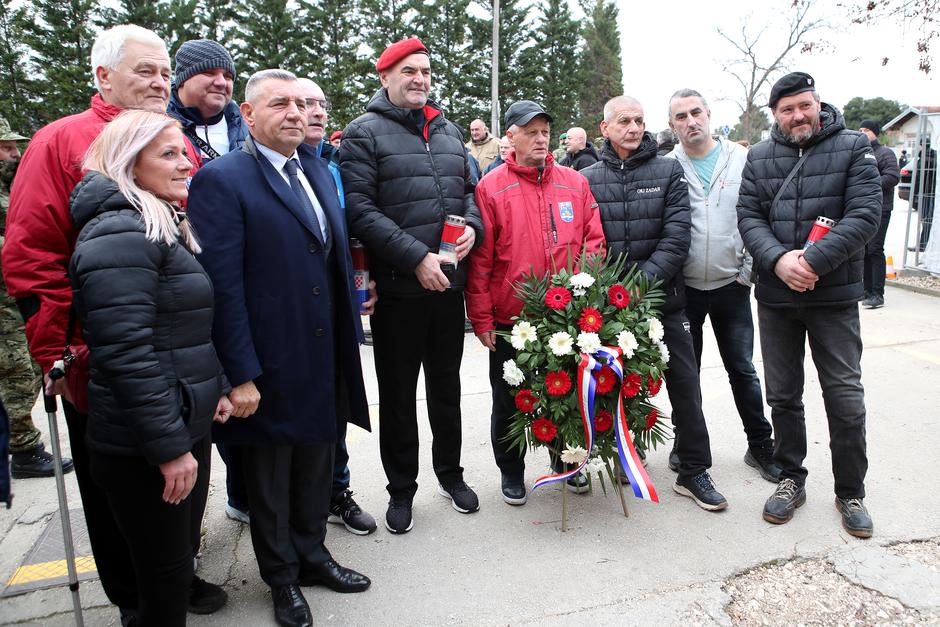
column 49, row 399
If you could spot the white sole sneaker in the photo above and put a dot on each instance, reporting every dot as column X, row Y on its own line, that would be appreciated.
column 237, row 515
column 684, row 491
column 512, row 501
column 453, row 503
column 338, row 520
column 410, row 525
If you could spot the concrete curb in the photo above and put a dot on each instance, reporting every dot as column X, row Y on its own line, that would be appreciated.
column 914, row 288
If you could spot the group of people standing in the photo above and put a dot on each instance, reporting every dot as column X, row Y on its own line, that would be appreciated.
column 206, row 256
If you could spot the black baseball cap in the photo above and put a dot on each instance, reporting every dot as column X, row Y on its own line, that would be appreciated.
column 521, row 113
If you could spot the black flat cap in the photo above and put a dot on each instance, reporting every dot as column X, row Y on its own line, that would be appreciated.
column 521, row 113
column 789, row 85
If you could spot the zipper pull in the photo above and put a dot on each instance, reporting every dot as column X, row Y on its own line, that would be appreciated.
column 427, row 146
column 551, row 215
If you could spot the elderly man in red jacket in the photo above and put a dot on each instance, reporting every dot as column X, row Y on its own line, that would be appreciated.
column 131, row 70
column 551, row 212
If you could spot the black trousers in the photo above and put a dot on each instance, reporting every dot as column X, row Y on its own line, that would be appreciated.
column 289, row 498
column 835, row 340
column 685, row 395
column 729, row 308
column 875, row 259
column 112, row 556
column 158, row 535
column 408, row 334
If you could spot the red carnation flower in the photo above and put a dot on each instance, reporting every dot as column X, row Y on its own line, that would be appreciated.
column 591, row 320
column 632, row 384
column 544, row 430
column 603, row 420
column 651, row 419
column 557, row 297
column 653, row 385
column 525, row 401
column 606, row 380
column 557, row 383
column 618, row 296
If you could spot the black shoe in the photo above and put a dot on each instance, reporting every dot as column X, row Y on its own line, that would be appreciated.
column 855, row 518
column 783, row 502
column 701, row 490
column 205, row 597
column 513, row 491
column 398, row 516
column 578, row 484
column 874, row 301
column 463, row 499
column 345, row 510
column 674, row 458
column 865, row 296
column 762, row 458
column 290, row 607
column 335, row 577
column 128, row 616
column 37, row 463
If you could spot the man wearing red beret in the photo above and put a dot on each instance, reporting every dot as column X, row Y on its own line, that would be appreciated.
column 405, row 169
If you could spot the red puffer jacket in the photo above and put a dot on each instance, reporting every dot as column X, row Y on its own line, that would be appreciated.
column 40, row 236
column 533, row 221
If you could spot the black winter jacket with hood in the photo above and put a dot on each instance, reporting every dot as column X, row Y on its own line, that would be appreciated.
column 401, row 181
column 644, row 203
column 838, row 180
column 146, row 311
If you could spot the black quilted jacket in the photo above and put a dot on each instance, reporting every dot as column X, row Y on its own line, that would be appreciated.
column 399, row 187
column 839, row 180
column 146, row 311
column 644, row 203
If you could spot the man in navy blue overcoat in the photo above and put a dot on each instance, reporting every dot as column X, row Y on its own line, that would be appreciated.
column 287, row 331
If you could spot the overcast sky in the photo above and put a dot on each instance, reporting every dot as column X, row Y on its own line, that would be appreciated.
column 674, row 44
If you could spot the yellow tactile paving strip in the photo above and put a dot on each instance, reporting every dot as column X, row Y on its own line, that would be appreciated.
column 29, row 573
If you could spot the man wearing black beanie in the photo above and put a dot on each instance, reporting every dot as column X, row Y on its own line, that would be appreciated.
column 875, row 249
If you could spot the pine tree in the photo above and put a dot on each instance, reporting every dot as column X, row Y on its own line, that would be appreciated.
column 601, row 73
column 59, row 35
column 554, row 58
column 749, row 127
column 268, row 34
column 386, row 21
column 14, row 84
column 180, row 24
column 146, row 13
column 214, row 19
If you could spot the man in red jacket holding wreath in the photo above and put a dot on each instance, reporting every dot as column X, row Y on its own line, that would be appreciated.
column 535, row 214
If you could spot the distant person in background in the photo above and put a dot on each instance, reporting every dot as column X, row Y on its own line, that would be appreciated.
column 336, row 139
column 482, row 146
column 903, row 159
column 560, row 152
column 581, row 152
column 874, row 277
column 925, row 190
column 665, row 142
column 505, row 147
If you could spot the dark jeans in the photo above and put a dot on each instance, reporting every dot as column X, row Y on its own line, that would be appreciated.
column 158, row 535
column 511, row 460
column 875, row 259
column 836, row 344
column 685, row 395
column 289, row 496
column 729, row 308
column 234, row 476
column 340, row 461
column 408, row 334
column 112, row 556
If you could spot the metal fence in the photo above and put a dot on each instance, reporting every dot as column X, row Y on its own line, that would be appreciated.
column 922, row 240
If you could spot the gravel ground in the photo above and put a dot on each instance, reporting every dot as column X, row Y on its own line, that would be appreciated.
column 929, row 282
column 811, row 592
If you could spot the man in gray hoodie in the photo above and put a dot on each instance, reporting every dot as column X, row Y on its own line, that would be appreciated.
column 717, row 270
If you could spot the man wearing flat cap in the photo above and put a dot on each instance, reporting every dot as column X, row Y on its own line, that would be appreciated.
column 517, row 200
column 201, row 98
column 890, row 173
column 405, row 169
column 811, row 167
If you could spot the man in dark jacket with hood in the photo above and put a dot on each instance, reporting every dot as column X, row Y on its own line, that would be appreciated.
column 875, row 249
column 811, row 167
column 405, row 169
column 580, row 152
column 644, row 203
column 201, row 98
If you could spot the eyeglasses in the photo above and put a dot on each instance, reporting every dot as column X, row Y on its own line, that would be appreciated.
column 323, row 104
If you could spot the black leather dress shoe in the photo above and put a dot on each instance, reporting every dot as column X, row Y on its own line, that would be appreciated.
column 290, row 607
column 334, row 577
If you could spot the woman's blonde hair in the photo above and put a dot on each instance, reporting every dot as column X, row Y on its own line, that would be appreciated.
column 114, row 154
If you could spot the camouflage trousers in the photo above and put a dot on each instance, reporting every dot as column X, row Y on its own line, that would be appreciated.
column 19, row 387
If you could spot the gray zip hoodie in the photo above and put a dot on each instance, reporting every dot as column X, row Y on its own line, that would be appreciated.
column 717, row 255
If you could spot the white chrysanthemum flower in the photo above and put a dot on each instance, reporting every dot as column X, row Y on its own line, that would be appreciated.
column 656, row 329
column 589, row 343
column 627, row 343
column 578, row 292
column 663, row 351
column 560, row 343
column 511, row 373
column 581, row 280
column 595, row 464
column 522, row 332
column 574, row 455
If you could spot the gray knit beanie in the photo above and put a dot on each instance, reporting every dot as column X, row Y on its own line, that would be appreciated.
column 199, row 55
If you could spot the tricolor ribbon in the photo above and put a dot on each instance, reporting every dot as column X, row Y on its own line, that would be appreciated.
column 588, row 369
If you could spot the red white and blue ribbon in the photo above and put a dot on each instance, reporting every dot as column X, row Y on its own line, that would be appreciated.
column 588, row 369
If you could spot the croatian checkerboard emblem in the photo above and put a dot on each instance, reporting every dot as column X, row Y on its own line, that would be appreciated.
column 566, row 211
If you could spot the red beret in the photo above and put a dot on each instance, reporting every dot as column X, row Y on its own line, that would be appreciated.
column 398, row 51
column 336, row 135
